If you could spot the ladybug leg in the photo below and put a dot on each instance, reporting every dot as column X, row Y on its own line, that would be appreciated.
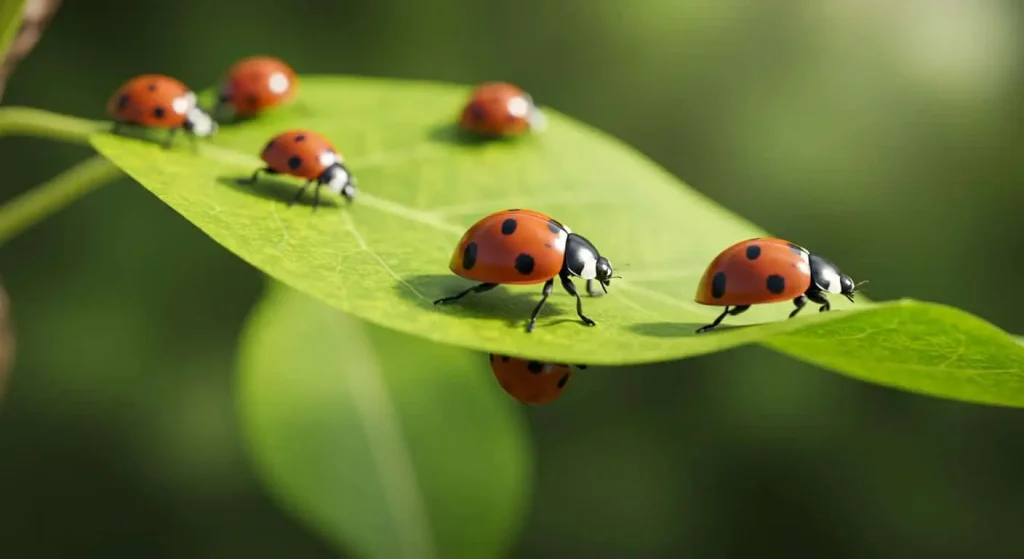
column 170, row 138
column 316, row 195
column 591, row 291
column 733, row 311
column 193, row 141
column 799, row 302
column 569, row 286
column 298, row 195
column 475, row 289
column 819, row 298
column 549, row 286
column 256, row 175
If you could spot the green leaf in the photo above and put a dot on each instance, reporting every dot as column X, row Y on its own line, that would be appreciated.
column 388, row 445
column 385, row 257
column 11, row 14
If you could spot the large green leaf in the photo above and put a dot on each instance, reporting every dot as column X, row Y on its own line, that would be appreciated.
column 388, row 445
column 385, row 258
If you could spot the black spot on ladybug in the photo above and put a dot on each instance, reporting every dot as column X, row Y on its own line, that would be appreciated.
column 159, row 112
column 123, row 101
column 294, row 162
column 469, row 260
column 797, row 249
column 753, row 251
column 524, row 264
column 477, row 112
column 535, row 367
column 151, row 86
column 300, row 138
column 776, row 284
column 508, row 226
column 563, row 380
column 718, row 285
column 505, row 358
column 555, row 227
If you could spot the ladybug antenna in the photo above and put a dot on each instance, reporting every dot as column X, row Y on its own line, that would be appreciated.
column 860, row 283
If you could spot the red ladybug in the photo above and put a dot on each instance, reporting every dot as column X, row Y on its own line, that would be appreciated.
column 768, row 270
column 257, row 83
column 521, row 247
column 500, row 109
column 531, row 382
column 308, row 155
column 158, row 101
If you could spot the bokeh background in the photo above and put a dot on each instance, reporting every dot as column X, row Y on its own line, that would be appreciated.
column 884, row 133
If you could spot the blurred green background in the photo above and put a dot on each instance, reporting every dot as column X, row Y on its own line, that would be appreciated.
column 884, row 134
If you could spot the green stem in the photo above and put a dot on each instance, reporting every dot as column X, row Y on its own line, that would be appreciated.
column 47, row 198
column 26, row 121
column 55, row 194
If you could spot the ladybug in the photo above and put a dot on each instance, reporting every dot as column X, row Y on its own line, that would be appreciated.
column 531, row 382
column 522, row 247
column 308, row 155
column 500, row 109
column 767, row 270
column 256, row 83
column 159, row 101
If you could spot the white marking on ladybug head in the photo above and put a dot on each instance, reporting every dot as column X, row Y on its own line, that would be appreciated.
column 519, row 106
column 328, row 158
column 278, row 83
column 340, row 181
column 589, row 261
column 560, row 240
column 200, row 122
column 181, row 104
column 830, row 276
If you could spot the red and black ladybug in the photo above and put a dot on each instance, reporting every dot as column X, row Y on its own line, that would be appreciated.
column 255, row 84
column 159, row 101
column 768, row 270
column 308, row 155
column 522, row 247
column 531, row 382
column 499, row 109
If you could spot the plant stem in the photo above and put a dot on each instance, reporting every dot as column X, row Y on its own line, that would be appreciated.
column 54, row 194
column 26, row 121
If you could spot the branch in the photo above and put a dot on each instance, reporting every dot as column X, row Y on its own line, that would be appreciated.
column 38, row 14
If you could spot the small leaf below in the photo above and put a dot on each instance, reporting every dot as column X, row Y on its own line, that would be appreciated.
column 388, row 445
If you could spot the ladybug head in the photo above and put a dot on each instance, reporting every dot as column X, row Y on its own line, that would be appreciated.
column 604, row 271
column 849, row 289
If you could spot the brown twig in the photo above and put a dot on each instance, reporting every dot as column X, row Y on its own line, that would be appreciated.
column 38, row 14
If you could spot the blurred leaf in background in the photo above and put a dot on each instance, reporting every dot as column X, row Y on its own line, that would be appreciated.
column 388, row 445
column 117, row 433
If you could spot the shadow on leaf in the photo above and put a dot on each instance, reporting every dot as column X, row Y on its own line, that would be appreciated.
column 676, row 329
column 277, row 189
column 498, row 303
column 451, row 133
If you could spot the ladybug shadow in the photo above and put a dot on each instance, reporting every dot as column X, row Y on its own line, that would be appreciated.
column 678, row 329
column 277, row 189
column 452, row 133
column 498, row 303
